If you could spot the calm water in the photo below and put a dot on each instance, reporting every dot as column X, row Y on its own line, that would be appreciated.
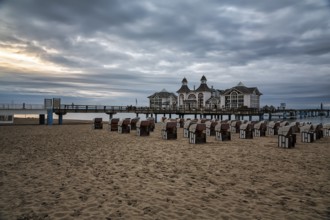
column 105, row 117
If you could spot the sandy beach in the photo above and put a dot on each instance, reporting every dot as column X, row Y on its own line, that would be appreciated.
column 75, row 172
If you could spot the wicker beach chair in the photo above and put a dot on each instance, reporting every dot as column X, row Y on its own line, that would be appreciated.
column 98, row 123
column 169, row 130
column 151, row 124
column 295, row 127
column 186, row 126
column 307, row 133
column 326, row 130
column 210, row 128
column 124, row 126
column 222, row 132
column 197, row 133
column 286, row 137
column 180, row 122
column 235, row 126
column 246, row 131
column 113, row 124
column 142, row 128
column 272, row 127
column 259, row 129
column 133, row 122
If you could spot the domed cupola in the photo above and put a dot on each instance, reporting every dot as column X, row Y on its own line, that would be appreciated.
column 203, row 86
column 203, row 80
column 184, row 81
column 184, row 88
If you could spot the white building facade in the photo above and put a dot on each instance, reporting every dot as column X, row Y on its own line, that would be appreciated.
column 205, row 97
column 241, row 96
column 194, row 99
column 163, row 99
column 209, row 98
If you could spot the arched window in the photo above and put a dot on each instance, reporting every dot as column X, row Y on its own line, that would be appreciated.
column 233, row 99
column 181, row 98
column 192, row 97
column 200, row 100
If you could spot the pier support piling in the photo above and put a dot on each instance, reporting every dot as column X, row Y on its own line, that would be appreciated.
column 60, row 119
column 49, row 116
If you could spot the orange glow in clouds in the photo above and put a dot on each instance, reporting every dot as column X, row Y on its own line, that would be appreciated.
column 12, row 59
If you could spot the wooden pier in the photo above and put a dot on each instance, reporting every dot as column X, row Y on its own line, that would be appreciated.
column 166, row 112
column 238, row 114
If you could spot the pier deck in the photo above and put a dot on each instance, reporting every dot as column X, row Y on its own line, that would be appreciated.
column 7, row 109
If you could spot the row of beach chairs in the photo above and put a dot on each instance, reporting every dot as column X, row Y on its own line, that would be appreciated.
column 142, row 127
column 197, row 130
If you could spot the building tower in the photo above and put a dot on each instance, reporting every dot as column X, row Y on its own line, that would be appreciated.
column 203, row 93
column 183, row 92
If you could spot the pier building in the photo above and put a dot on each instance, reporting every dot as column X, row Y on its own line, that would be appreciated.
column 205, row 97
column 163, row 99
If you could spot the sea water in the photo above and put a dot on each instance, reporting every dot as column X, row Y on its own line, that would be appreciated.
column 106, row 117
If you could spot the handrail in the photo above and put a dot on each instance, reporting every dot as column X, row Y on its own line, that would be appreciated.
column 147, row 110
column 21, row 106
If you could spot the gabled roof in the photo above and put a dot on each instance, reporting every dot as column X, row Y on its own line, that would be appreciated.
column 240, row 88
column 163, row 94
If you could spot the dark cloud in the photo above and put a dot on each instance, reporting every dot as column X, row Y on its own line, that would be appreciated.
column 134, row 48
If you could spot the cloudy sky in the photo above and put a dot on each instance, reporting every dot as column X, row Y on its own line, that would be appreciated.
column 112, row 52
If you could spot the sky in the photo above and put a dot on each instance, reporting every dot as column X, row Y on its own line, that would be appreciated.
column 115, row 52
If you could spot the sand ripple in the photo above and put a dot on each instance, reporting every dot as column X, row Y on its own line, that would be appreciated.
column 74, row 172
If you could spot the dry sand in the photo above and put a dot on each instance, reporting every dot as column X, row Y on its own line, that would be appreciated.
column 75, row 172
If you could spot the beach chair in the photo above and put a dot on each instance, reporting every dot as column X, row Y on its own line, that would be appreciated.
column 142, row 128
column 272, row 128
column 98, row 123
column 295, row 127
column 180, row 122
column 133, row 122
column 151, row 124
column 307, row 133
column 197, row 133
column 246, row 131
column 113, row 124
column 284, row 123
column 203, row 120
column 169, row 130
column 222, row 132
column 210, row 128
column 318, row 131
column 235, row 126
column 259, row 129
column 286, row 137
column 124, row 126
column 326, row 130
column 186, row 126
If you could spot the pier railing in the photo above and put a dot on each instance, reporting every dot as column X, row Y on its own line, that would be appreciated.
column 22, row 106
column 71, row 108
column 149, row 110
